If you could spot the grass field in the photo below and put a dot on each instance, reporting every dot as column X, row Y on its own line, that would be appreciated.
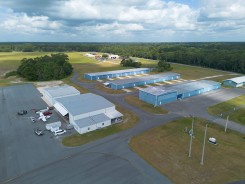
column 82, row 64
column 144, row 106
column 228, row 108
column 130, row 119
column 166, row 148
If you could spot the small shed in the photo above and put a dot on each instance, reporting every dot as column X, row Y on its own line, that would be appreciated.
column 53, row 126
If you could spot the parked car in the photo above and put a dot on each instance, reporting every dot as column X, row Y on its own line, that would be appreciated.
column 46, row 113
column 33, row 119
column 38, row 131
column 22, row 112
column 59, row 132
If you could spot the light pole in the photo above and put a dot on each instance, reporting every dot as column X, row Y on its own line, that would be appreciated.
column 192, row 132
column 203, row 147
column 227, row 119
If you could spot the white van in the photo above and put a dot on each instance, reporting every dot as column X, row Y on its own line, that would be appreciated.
column 59, row 132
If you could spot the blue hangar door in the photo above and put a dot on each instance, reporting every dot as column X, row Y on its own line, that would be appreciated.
column 179, row 96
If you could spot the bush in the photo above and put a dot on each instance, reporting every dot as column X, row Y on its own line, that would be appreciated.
column 130, row 63
column 11, row 73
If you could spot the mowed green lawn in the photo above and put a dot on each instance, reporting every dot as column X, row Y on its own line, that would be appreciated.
column 166, row 148
column 236, row 115
column 188, row 72
column 82, row 64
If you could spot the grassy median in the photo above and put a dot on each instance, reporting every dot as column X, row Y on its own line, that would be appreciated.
column 231, row 107
column 130, row 119
column 144, row 106
column 166, row 148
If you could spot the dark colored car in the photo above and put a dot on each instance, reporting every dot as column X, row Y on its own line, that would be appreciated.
column 38, row 131
column 22, row 112
column 46, row 113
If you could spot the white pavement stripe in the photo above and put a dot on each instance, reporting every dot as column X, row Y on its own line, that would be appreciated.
column 138, row 88
column 127, row 90
column 158, row 84
column 168, row 82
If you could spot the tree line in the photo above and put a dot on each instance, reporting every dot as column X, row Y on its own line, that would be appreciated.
column 223, row 56
column 45, row 68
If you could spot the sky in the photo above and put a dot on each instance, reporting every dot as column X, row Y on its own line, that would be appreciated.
column 122, row 21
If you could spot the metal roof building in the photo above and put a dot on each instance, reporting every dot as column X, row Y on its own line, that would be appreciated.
column 235, row 82
column 52, row 93
column 116, row 73
column 169, row 93
column 140, row 81
column 88, row 112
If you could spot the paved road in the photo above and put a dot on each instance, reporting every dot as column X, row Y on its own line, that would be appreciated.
column 197, row 106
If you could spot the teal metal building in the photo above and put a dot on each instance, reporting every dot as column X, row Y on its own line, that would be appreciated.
column 235, row 82
column 140, row 81
column 164, row 94
column 116, row 73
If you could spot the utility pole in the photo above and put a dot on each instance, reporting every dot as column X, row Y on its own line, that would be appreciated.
column 192, row 132
column 227, row 119
column 203, row 147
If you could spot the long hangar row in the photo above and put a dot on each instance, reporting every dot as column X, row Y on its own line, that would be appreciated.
column 116, row 73
column 140, row 81
column 86, row 112
column 164, row 94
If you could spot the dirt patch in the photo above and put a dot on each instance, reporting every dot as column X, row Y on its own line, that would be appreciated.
column 48, row 84
column 41, row 85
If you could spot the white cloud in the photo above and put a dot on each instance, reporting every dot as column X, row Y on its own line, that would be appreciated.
column 22, row 23
column 159, row 13
column 223, row 9
column 159, row 20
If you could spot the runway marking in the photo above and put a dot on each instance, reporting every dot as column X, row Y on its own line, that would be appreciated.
column 158, row 84
column 168, row 82
column 110, row 79
column 127, row 90
column 138, row 88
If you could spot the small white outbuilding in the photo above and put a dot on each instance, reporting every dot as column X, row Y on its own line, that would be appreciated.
column 53, row 126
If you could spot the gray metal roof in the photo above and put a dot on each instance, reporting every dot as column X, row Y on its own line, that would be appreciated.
column 100, row 118
column 142, row 79
column 180, row 87
column 157, row 90
column 84, row 103
column 117, row 71
column 59, row 91
column 85, row 122
column 237, row 79
column 92, row 120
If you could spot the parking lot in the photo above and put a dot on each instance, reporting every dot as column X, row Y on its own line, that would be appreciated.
column 20, row 148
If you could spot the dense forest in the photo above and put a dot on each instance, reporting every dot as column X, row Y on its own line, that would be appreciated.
column 223, row 56
column 45, row 68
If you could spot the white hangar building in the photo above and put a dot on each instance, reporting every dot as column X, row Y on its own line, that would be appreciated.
column 53, row 93
column 88, row 112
